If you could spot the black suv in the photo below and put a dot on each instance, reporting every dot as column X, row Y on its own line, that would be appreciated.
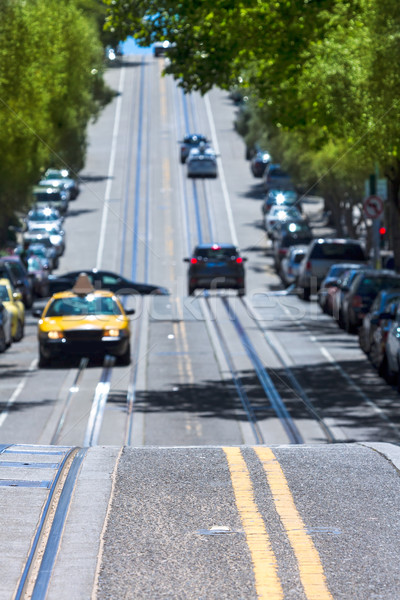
column 215, row 266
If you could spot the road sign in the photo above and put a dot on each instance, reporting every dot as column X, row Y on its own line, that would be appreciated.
column 373, row 207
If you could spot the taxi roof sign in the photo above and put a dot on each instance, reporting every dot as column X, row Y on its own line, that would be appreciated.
column 83, row 285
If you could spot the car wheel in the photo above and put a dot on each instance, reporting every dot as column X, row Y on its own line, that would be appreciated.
column 241, row 292
column 3, row 343
column 125, row 358
column 390, row 376
column 191, row 290
column 305, row 294
column 43, row 361
column 19, row 334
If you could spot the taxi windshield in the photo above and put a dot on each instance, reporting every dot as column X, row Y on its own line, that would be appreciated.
column 83, row 305
column 3, row 293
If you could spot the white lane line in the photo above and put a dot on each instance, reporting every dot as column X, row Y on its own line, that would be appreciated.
column 110, row 173
column 4, row 414
column 221, row 172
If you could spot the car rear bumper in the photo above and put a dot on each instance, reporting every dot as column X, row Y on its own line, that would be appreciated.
column 65, row 347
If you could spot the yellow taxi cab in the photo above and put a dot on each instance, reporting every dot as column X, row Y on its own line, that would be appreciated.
column 12, row 301
column 82, row 322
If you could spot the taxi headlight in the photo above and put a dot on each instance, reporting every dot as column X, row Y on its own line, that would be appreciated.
column 54, row 335
column 112, row 333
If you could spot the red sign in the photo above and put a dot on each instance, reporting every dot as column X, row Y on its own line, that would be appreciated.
column 373, row 207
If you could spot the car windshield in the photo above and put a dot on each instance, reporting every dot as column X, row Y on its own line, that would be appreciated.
column 332, row 251
column 85, row 305
column 4, row 297
column 34, row 264
column 372, row 285
column 216, row 253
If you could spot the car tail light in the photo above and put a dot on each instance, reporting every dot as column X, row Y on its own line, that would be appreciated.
column 283, row 251
column 239, row 260
column 356, row 301
column 193, row 261
column 308, row 266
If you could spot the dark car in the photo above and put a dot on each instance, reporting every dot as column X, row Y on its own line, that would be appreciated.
column 216, row 266
column 286, row 198
column 341, row 290
column 292, row 234
column 259, row 163
column 12, row 268
column 276, row 178
column 363, row 291
column 105, row 280
column 51, row 196
column 372, row 320
column 190, row 141
column 53, row 176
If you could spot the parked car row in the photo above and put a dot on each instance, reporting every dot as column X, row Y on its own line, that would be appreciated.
column 367, row 302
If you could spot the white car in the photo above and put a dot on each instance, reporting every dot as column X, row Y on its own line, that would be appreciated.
column 202, row 162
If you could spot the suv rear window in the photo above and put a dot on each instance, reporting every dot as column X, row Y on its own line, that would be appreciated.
column 215, row 254
column 338, row 252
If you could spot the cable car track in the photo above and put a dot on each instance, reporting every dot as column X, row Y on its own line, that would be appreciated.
column 38, row 568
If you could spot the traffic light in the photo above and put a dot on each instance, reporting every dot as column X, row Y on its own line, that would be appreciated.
column 382, row 236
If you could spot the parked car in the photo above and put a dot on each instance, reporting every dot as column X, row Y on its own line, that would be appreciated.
column 276, row 178
column 38, row 271
column 12, row 268
column 279, row 215
column 339, row 293
column 5, row 328
column 293, row 234
column 190, row 141
column 202, row 162
column 64, row 177
column 43, row 218
column 214, row 266
column 161, row 48
column 329, row 285
column 55, row 238
column 12, row 300
column 105, row 280
column 288, row 198
column 259, row 162
column 363, row 291
column 391, row 360
column 372, row 320
column 377, row 354
column 322, row 253
column 44, row 196
column 290, row 264
column 44, row 249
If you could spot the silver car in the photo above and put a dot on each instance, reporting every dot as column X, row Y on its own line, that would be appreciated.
column 202, row 162
column 321, row 255
column 290, row 265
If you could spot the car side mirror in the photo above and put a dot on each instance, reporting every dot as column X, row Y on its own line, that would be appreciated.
column 244, row 259
column 37, row 312
column 129, row 311
column 17, row 295
column 186, row 260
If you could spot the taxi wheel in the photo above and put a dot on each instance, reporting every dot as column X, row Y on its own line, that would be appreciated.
column 3, row 344
column 125, row 358
column 43, row 361
column 19, row 334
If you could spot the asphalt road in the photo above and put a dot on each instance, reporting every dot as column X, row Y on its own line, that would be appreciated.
column 213, row 378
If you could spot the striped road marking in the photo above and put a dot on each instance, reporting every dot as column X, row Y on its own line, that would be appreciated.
column 268, row 585
column 310, row 568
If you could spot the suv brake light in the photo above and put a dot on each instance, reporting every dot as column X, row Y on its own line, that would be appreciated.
column 193, row 261
column 239, row 260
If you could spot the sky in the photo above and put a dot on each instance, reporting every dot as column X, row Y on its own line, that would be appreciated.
column 130, row 47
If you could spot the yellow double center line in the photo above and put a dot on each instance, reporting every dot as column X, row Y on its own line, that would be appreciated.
column 267, row 582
